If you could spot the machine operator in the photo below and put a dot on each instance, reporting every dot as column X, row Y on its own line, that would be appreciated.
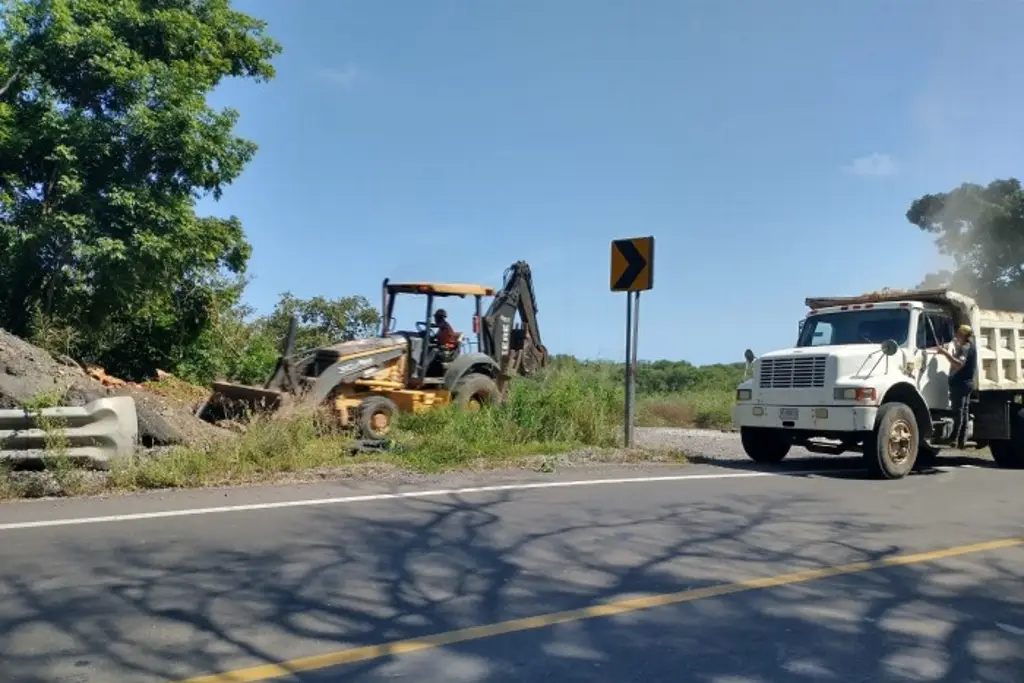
column 447, row 337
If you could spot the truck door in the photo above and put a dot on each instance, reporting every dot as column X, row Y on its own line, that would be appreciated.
column 933, row 369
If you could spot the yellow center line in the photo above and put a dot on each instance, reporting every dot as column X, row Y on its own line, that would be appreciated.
column 264, row 672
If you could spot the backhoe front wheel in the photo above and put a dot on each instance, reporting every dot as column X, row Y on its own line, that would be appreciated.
column 476, row 391
column 890, row 450
column 376, row 415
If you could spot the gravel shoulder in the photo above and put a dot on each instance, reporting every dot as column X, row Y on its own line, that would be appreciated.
column 722, row 448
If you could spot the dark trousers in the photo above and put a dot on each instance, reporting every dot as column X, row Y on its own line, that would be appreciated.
column 960, row 400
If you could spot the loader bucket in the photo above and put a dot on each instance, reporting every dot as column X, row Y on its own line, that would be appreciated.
column 236, row 401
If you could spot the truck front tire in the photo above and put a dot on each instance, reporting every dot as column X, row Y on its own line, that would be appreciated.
column 890, row 451
column 766, row 446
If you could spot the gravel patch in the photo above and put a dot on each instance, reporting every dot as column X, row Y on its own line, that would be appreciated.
column 704, row 443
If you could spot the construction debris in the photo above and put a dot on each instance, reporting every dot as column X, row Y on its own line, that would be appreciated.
column 101, row 376
column 28, row 372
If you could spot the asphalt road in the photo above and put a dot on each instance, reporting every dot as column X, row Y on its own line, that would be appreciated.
column 308, row 571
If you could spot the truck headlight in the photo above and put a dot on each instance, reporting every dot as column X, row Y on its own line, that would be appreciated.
column 744, row 394
column 855, row 394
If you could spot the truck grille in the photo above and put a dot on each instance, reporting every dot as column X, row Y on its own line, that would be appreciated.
column 792, row 373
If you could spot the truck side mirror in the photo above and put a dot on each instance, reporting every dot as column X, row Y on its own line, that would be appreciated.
column 890, row 347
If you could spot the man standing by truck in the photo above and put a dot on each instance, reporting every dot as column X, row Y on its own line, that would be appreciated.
column 963, row 363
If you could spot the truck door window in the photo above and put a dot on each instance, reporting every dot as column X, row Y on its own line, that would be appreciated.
column 944, row 328
column 943, row 331
column 925, row 339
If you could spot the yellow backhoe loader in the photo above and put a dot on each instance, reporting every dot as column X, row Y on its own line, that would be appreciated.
column 366, row 382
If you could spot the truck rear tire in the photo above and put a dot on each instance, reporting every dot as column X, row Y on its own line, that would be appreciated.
column 765, row 446
column 890, row 451
column 1009, row 453
column 927, row 455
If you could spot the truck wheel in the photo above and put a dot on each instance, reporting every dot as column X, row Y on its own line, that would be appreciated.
column 891, row 450
column 1009, row 453
column 376, row 414
column 475, row 391
column 767, row 446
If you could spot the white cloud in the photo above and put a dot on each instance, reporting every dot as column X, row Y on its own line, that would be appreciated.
column 345, row 77
column 873, row 165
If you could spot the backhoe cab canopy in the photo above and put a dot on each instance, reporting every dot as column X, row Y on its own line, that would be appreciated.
column 438, row 289
column 431, row 290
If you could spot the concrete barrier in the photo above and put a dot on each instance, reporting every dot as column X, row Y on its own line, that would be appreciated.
column 90, row 435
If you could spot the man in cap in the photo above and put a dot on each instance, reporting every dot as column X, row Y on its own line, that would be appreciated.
column 447, row 337
column 963, row 363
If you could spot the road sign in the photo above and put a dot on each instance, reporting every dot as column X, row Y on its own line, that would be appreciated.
column 632, row 273
column 632, row 264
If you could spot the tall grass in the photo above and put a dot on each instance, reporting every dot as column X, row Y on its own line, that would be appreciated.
column 568, row 407
column 556, row 412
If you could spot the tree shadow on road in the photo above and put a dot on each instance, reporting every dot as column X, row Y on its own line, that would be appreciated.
column 183, row 605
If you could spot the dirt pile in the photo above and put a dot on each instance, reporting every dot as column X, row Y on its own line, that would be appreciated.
column 28, row 372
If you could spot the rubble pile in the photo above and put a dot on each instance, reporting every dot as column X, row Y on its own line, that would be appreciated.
column 27, row 372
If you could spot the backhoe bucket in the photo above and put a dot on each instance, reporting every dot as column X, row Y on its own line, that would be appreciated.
column 231, row 401
column 238, row 401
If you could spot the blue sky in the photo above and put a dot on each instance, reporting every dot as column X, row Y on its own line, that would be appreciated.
column 772, row 149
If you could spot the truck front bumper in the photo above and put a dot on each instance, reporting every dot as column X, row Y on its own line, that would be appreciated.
column 805, row 418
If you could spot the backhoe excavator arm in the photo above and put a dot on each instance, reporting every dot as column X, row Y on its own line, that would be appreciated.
column 516, row 349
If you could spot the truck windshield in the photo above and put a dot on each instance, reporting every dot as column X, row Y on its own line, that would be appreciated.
column 866, row 326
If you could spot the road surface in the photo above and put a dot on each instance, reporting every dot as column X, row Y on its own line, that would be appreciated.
column 605, row 574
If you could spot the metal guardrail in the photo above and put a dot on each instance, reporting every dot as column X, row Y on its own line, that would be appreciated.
column 89, row 435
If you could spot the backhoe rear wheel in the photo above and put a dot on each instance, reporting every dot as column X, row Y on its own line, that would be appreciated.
column 475, row 391
column 376, row 415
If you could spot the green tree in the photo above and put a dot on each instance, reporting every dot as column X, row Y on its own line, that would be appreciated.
column 106, row 143
column 242, row 347
column 982, row 229
column 322, row 321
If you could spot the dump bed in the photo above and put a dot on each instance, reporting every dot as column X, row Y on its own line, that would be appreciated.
column 1000, row 337
column 999, row 334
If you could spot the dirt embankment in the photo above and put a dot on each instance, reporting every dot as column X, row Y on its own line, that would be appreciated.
column 28, row 372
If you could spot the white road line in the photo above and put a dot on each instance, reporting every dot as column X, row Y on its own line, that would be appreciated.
column 376, row 497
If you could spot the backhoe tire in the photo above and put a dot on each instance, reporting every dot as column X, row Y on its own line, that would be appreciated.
column 475, row 391
column 376, row 415
column 890, row 450
column 765, row 446
column 1009, row 453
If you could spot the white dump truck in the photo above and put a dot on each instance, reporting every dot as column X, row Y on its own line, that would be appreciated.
column 864, row 376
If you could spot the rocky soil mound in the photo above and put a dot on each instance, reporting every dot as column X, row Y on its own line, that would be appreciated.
column 27, row 372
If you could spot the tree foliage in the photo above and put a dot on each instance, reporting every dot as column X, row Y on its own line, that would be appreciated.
column 982, row 229
column 660, row 376
column 322, row 321
column 106, row 143
column 243, row 347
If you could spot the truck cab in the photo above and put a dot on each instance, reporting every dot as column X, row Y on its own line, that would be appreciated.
column 864, row 375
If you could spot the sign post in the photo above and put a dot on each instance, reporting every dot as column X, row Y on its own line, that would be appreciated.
column 632, row 271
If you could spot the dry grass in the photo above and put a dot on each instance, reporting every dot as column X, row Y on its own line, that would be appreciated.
column 708, row 409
